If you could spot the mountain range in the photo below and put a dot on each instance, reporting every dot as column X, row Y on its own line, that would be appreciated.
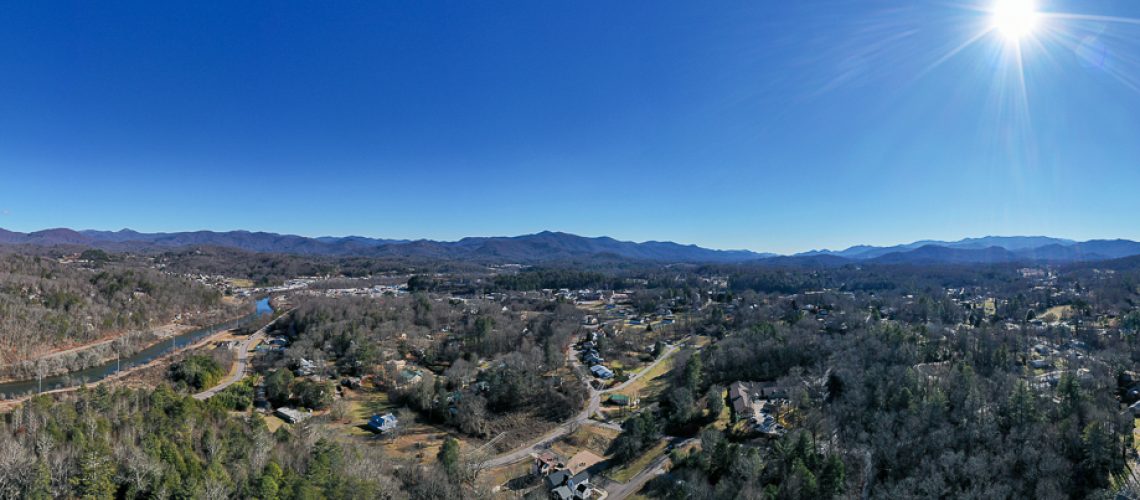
column 552, row 246
column 544, row 246
column 988, row 249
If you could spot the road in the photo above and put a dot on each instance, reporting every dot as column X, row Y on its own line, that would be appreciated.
column 242, row 363
column 618, row 491
column 582, row 418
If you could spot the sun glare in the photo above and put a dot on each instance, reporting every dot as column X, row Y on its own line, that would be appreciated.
column 1014, row 19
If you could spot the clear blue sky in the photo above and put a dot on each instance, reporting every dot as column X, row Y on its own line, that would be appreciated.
column 767, row 125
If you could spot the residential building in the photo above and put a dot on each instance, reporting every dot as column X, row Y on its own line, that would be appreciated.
column 383, row 423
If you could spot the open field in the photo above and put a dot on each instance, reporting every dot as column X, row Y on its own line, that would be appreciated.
column 650, row 384
column 273, row 423
column 625, row 473
column 1058, row 312
column 501, row 476
column 587, row 438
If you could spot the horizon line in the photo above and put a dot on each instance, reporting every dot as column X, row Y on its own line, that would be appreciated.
column 421, row 239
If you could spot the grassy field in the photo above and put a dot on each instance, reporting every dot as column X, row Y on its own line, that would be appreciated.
column 724, row 420
column 624, row 474
column 1058, row 312
column 701, row 341
column 499, row 476
column 650, row 385
column 414, row 441
column 588, row 437
column 273, row 423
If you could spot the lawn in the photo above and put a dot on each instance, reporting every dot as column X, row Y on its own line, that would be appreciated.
column 724, row 420
column 273, row 423
column 624, row 474
column 499, row 476
column 700, row 341
column 649, row 385
column 587, row 437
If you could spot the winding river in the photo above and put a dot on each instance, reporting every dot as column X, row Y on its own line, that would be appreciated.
column 95, row 373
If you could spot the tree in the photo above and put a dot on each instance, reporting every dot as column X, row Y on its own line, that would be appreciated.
column 268, row 484
column 198, row 372
column 483, row 326
column 715, row 401
column 40, row 488
column 420, row 283
column 313, row 394
column 277, row 386
column 692, row 375
column 638, row 433
column 448, row 456
column 833, row 478
column 682, row 405
column 95, row 479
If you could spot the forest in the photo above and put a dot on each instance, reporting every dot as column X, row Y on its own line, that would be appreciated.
column 896, row 382
column 46, row 305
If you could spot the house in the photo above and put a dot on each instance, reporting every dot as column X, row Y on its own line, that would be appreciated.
column 601, row 372
column 563, row 485
column 408, row 377
column 305, row 368
column 741, row 401
column 392, row 368
column 592, row 359
column 752, row 401
column 547, row 462
column 1041, row 364
column 383, row 423
column 292, row 415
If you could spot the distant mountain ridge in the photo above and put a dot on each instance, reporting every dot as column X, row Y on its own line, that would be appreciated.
column 544, row 246
column 552, row 246
column 988, row 249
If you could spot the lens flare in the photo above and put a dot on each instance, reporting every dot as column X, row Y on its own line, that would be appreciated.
column 1014, row 19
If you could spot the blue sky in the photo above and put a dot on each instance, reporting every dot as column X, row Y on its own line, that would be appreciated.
column 774, row 126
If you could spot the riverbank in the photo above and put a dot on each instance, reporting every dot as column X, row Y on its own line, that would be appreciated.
column 117, row 364
column 7, row 405
column 103, row 351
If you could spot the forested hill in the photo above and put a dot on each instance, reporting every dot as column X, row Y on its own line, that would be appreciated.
column 544, row 246
column 549, row 246
column 46, row 306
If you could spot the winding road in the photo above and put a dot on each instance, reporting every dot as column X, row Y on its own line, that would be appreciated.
column 582, row 418
column 242, row 363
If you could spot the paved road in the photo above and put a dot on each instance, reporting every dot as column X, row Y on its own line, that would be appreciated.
column 242, row 360
column 582, row 418
column 618, row 491
column 242, row 364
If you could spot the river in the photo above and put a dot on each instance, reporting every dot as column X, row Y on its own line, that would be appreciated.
column 95, row 373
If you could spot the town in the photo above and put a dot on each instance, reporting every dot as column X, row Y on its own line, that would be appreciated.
column 596, row 391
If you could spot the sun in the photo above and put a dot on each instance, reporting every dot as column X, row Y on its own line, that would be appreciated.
column 1014, row 19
